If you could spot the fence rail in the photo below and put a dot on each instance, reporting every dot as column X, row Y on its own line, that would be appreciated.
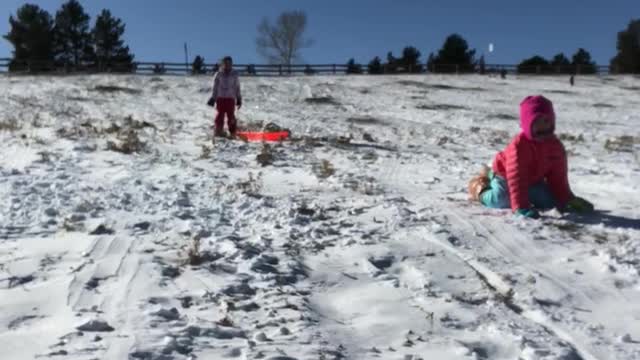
column 172, row 68
column 4, row 65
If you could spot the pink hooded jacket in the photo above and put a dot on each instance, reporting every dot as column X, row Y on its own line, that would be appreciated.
column 527, row 161
column 226, row 85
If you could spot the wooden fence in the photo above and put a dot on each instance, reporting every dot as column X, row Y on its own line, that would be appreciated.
column 161, row 68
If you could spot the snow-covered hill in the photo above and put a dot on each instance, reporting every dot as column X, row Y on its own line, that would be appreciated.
column 124, row 234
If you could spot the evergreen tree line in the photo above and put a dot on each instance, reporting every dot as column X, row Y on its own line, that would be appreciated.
column 67, row 41
column 456, row 56
column 580, row 63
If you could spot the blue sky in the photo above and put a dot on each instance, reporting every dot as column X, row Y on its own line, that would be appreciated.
column 157, row 30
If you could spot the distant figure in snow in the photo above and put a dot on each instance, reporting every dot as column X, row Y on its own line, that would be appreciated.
column 531, row 173
column 572, row 80
column 503, row 74
column 226, row 96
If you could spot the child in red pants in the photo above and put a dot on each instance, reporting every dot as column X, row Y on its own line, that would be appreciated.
column 226, row 96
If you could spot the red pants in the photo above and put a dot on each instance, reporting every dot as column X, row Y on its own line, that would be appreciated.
column 225, row 106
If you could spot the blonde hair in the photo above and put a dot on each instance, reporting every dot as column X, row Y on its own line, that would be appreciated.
column 478, row 184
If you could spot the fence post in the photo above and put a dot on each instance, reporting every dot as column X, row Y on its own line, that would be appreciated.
column 280, row 69
column 334, row 69
column 538, row 69
column 578, row 69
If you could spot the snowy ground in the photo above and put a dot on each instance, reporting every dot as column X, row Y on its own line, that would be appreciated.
column 340, row 249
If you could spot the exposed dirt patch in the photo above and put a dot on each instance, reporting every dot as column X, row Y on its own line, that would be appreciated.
column 441, row 107
column 603, row 105
column 323, row 100
column 116, row 89
column 624, row 143
column 365, row 120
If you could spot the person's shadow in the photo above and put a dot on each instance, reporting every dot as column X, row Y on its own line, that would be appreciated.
column 606, row 218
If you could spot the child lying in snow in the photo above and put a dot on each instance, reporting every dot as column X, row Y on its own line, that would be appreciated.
column 531, row 173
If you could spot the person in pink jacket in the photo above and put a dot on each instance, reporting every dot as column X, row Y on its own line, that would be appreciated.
column 226, row 96
column 531, row 174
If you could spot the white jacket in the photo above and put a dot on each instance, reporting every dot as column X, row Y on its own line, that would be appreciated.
column 226, row 85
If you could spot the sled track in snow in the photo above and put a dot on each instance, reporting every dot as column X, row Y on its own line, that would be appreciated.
column 504, row 292
column 394, row 174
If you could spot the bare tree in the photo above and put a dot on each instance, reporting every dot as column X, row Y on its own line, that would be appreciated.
column 280, row 43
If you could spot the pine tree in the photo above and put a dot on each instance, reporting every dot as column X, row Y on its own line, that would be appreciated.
column 375, row 66
column 431, row 63
column 31, row 35
column 627, row 60
column 392, row 64
column 561, row 64
column 411, row 59
column 534, row 65
column 197, row 67
column 482, row 66
column 353, row 68
column 455, row 55
column 73, row 43
column 111, row 53
column 582, row 62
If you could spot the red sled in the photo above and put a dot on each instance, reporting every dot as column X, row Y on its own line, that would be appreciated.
column 255, row 136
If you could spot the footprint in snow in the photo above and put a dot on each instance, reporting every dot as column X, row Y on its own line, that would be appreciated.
column 261, row 337
column 234, row 353
column 102, row 230
column 265, row 265
column 239, row 290
column 168, row 314
column 382, row 262
column 95, row 326
column 22, row 320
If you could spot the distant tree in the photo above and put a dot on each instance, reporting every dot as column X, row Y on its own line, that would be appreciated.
column 561, row 64
column 455, row 51
column 582, row 62
column 159, row 69
column 410, row 60
column 627, row 60
column 375, row 66
column 198, row 67
column 431, row 63
column 534, row 65
column 353, row 68
column 282, row 41
column 482, row 66
column 110, row 49
column 73, row 43
column 392, row 63
column 560, row 60
column 308, row 70
column 31, row 34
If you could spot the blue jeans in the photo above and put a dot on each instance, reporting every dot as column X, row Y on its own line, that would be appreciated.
column 497, row 195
